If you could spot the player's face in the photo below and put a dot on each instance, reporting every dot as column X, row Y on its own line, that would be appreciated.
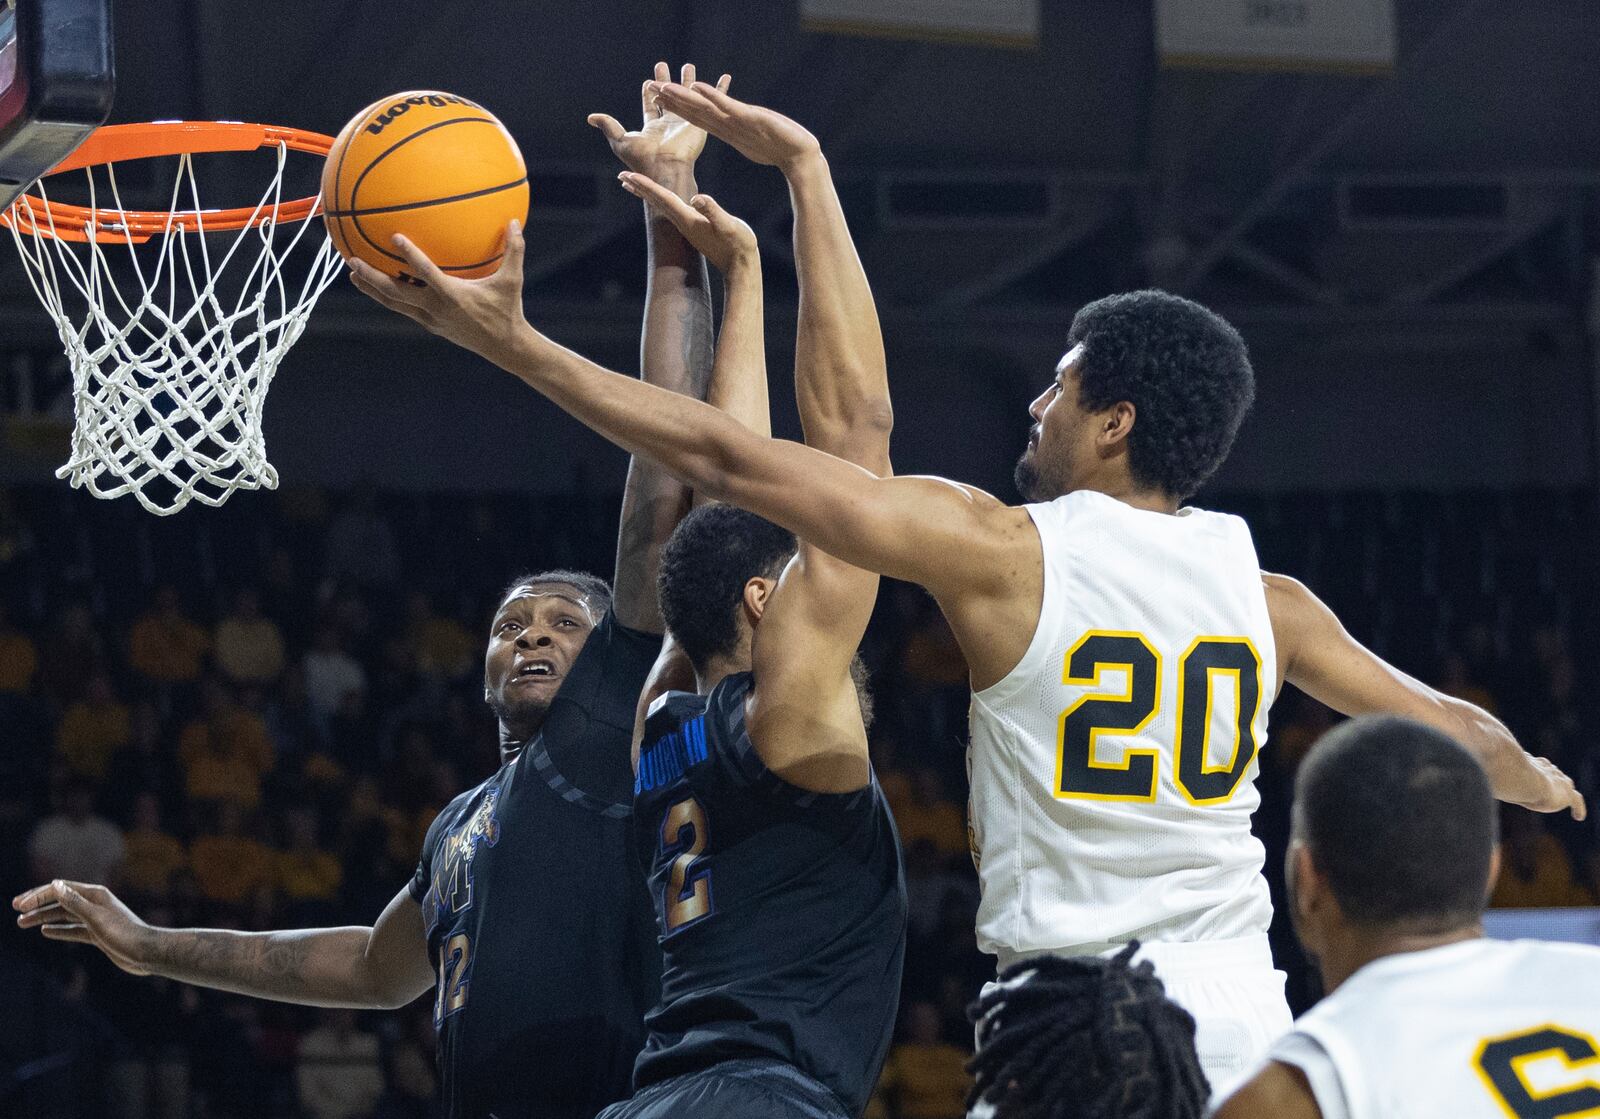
column 536, row 635
column 1060, row 446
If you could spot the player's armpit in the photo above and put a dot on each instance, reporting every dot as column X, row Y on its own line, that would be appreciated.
column 672, row 672
column 805, row 718
column 1278, row 1091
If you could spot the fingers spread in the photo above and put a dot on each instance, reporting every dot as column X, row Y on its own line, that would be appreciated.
column 687, row 73
column 647, row 93
column 516, row 247
column 724, row 82
column 383, row 289
column 421, row 267
column 610, row 127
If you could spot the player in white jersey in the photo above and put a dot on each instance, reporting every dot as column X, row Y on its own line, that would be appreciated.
column 1123, row 651
column 1391, row 860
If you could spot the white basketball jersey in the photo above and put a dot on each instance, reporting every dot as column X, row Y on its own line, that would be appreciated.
column 1113, row 770
column 1483, row 1028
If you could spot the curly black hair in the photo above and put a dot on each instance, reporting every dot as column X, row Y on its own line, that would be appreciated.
column 709, row 558
column 592, row 587
column 1184, row 369
column 1085, row 1038
column 1381, row 783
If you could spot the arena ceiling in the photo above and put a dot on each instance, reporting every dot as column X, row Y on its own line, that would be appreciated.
column 977, row 176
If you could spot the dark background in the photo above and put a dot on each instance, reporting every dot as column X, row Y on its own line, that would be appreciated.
column 1412, row 257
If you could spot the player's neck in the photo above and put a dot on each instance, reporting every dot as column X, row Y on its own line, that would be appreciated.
column 514, row 738
column 718, row 669
column 1124, row 490
column 1358, row 948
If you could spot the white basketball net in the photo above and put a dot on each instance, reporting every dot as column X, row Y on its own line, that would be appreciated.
column 169, row 375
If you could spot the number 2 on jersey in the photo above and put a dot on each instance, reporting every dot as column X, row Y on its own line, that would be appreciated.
column 688, row 890
column 1080, row 775
column 455, row 964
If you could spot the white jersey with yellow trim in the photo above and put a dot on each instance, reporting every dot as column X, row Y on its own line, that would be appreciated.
column 1481, row 1028
column 1113, row 769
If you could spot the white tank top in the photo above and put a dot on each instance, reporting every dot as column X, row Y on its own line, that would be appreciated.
column 1484, row 1028
column 1113, row 770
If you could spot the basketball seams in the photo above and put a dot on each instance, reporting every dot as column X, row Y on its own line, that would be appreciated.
column 401, row 206
column 355, row 216
column 387, row 152
column 345, row 214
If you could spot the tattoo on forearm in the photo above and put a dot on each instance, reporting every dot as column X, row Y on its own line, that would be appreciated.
column 272, row 964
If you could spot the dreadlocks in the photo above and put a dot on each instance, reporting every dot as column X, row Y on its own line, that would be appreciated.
column 1085, row 1038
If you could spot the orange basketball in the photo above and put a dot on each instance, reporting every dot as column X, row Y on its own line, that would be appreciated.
column 433, row 166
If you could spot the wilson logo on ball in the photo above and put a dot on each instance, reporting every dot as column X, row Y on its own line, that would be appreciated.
column 401, row 108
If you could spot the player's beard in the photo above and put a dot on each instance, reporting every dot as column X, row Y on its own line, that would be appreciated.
column 521, row 717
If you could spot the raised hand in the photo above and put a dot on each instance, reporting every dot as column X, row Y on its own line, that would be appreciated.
column 724, row 240
column 665, row 137
column 758, row 134
column 85, row 914
column 484, row 316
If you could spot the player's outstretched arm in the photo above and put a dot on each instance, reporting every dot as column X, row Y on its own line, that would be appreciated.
column 840, row 373
column 377, row 968
column 739, row 369
column 1322, row 659
column 964, row 545
column 675, row 342
column 805, row 719
column 1278, row 1091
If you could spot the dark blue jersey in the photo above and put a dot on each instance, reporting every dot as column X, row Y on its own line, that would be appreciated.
column 538, row 919
column 781, row 912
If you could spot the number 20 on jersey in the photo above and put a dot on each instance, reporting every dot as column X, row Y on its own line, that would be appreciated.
column 1208, row 664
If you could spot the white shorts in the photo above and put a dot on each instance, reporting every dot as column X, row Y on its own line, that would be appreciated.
column 1235, row 995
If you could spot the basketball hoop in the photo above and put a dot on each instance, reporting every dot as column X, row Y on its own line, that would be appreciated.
column 169, row 371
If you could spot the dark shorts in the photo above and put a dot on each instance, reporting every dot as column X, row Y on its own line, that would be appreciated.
column 750, row 1089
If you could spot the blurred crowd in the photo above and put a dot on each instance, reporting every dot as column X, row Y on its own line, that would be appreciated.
column 247, row 717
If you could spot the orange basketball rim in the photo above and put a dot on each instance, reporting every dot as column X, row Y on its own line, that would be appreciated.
column 116, row 143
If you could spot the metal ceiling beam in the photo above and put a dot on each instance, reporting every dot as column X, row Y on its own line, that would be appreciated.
column 1275, row 190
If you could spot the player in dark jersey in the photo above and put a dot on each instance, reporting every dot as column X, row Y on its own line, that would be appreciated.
column 528, row 914
column 773, row 860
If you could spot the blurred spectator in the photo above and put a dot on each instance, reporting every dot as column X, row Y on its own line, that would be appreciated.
column 146, row 764
column 153, row 855
column 360, row 545
column 93, row 729
column 339, row 1076
column 75, row 843
column 411, row 1070
column 1534, row 869
column 308, row 877
column 226, row 751
column 19, row 659
column 440, row 645
column 249, row 646
column 165, row 645
column 286, row 713
column 69, row 654
column 932, row 816
column 330, row 674
column 229, row 866
column 925, row 1077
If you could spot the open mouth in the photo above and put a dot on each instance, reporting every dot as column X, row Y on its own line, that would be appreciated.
column 528, row 671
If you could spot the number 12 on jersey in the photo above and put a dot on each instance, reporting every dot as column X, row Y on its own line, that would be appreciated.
column 1099, row 715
